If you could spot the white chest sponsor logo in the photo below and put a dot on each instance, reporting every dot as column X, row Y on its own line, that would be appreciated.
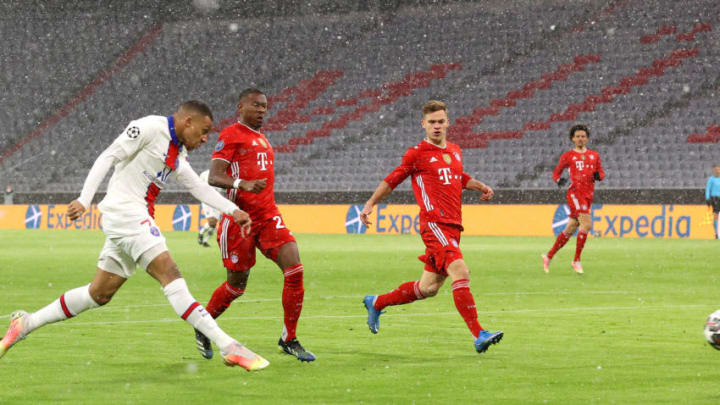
column 579, row 164
column 444, row 175
column 262, row 160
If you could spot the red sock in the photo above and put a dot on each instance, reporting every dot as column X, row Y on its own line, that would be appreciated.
column 465, row 304
column 406, row 293
column 559, row 243
column 222, row 298
column 292, row 299
column 581, row 238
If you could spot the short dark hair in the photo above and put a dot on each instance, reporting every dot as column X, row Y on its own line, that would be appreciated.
column 247, row 92
column 578, row 127
column 198, row 107
column 432, row 106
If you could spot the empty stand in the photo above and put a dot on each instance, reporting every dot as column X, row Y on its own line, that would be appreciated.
column 345, row 91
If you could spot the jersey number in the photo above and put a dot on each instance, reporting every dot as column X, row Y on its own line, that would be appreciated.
column 279, row 224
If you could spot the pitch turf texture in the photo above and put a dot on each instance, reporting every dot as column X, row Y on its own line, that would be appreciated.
column 628, row 331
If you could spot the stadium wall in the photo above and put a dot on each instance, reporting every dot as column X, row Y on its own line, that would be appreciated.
column 618, row 221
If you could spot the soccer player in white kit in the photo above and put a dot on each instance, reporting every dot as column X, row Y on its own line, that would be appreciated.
column 150, row 152
column 211, row 216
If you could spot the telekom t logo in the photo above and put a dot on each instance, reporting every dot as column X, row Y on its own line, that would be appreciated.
column 444, row 175
column 579, row 164
column 262, row 160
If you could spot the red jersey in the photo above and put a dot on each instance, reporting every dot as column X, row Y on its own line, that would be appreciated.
column 437, row 181
column 251, row 157
column 581, row 166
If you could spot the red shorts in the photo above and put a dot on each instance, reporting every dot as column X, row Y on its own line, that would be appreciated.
column 442, row 246
column 579, row 203
column 238, row 253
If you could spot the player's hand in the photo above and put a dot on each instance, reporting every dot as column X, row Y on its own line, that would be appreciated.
column 596, row 176
column 253, row 186
column 243, row 219
column 75, row 210
column 365, row 215
column 563, row 181
column 487, row 194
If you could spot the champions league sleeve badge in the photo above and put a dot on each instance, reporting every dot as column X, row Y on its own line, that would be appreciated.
column 133, row 132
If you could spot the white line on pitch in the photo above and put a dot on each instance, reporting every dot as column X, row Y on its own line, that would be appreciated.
column 309, row 317
column 112, row 307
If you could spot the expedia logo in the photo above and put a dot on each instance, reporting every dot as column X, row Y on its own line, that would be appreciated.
column 390, row 219
column 560, row 219
column 626, row 221
column 33, row 217
column 182, row 218
column 352, row 220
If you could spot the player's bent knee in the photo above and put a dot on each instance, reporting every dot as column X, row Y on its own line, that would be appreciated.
column 101, row 295
column 288, row 255
column 101, row 299
column 238, row 279
column 458, row 270
column 164, row 269
column 429, row 289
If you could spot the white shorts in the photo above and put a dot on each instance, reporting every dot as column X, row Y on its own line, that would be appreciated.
column 210, row 212
column 129, row 243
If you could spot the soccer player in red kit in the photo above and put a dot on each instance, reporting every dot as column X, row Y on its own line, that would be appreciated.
column 243, row 163
column 437, row 181
column 585, row 169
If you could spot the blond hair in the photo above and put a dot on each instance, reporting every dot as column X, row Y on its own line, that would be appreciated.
column 432, row 106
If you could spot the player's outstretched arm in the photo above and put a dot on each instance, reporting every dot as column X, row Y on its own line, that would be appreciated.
column 397, row 176
column 562, row 164
column 383, row 190
column 107, row 159
column 202, row 190
column 242, row 218
column 218, row 178
column 75, row 210
column 477, row 185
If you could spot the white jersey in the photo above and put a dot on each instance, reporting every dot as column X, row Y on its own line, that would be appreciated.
column 204, row 176
column 147, row 155
column 207, row 210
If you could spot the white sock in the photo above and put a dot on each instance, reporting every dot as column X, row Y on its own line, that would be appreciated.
column 67, row 306
column 193, row 313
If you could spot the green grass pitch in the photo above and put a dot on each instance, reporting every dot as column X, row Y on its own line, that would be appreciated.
column 628, row 331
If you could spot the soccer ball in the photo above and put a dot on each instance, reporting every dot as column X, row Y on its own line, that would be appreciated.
column 712, row 329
